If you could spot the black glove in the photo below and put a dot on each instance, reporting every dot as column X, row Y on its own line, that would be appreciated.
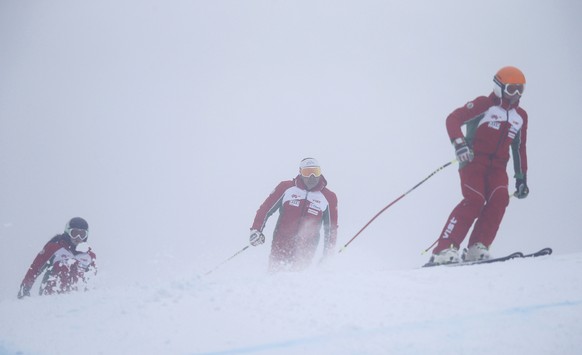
column 256, row 238
column 521, row 189
column 23, row 292
column 463, row 151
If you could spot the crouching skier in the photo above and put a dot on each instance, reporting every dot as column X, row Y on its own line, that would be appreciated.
column 67, row 261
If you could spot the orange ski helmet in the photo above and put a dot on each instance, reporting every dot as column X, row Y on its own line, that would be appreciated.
column 505, row 76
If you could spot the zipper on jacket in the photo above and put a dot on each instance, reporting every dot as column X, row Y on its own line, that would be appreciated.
column 303, row 210
column 501, row 139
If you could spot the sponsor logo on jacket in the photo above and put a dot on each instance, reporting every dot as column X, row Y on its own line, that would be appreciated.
column 450, row 227
column 312, row 211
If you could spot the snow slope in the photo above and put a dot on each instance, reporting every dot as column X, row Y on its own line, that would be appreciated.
column 529, row 306
column 166, row 123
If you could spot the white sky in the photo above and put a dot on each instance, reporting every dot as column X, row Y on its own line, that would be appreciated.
column 166, row 123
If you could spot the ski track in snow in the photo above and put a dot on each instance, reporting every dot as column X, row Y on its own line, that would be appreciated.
column 406, row 327
column 524, row 305
column 414, row 327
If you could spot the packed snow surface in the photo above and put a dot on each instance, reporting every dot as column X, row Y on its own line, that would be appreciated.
column 528, row 306
column 167, row 123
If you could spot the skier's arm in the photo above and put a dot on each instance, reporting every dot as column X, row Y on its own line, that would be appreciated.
column 518, row 149
column 271, row 204
column 93, row 266
column 464, row 114
column 330, row 220
column 38, row 265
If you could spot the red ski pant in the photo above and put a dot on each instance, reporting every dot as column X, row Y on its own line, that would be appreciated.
column 485, row 198
column 292, row 253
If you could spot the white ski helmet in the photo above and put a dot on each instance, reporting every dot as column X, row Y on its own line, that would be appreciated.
column 308, row 162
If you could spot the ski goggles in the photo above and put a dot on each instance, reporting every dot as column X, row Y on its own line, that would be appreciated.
column 78, row 233
column 512, row 89
column 311, row 170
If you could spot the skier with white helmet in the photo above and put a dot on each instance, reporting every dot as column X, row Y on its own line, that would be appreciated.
column 67, row 261
column 494, row 125
column 305, row 206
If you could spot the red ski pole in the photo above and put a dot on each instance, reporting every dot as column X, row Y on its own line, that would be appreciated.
column 393, row 202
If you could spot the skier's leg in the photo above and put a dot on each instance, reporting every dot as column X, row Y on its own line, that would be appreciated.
column 465, row 213
column 281, row 254
column 488, row 222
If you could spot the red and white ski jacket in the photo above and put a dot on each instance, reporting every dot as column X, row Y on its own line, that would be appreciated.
column 492, row 127
column 64, row 266
column 302, row 214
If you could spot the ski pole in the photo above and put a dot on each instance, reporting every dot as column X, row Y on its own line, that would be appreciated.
column 393, row 202
column 225, row 261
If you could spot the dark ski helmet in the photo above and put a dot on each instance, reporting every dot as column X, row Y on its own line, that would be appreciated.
column 77, row 223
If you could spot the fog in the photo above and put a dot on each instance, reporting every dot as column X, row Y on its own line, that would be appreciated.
column 166, row 123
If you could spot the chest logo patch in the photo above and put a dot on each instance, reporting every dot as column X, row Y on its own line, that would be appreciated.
column 495, row 125
column 294, row 203
column 312, row 211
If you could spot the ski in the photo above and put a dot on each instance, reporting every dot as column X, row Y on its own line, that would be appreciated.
column 516, row 255
column 542, row 252
column 489, row 261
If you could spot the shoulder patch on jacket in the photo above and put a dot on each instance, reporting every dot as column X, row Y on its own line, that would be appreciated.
column 470, row 105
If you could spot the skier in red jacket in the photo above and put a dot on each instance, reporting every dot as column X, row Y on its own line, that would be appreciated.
column 305, row 205
column 494, row 124
column 66, row 259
